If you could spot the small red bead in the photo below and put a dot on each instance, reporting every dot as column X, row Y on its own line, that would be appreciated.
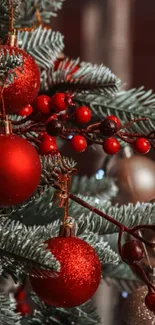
column 133, row 251
column 60, row 102
column 48, row 147
column 20, row 295
column 23, row 309
column 115, row 119
column 82, row 114
column 142, row 145
column 42, row 104
column 79, row 143
column 111, row 146
column 150, row 301
column 26, row 111
column 46, row 137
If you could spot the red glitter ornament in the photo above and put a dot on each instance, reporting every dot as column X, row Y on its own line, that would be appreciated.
column 79, row 276
column 26, row 85
column 20, row 169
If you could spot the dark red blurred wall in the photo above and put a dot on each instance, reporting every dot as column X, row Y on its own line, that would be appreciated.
column 143, row 33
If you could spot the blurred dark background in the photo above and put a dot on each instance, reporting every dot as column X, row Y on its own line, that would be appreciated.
column 117, row 32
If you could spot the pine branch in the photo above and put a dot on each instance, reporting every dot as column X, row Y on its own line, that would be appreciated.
column 4, row 15
column 126, row 105
column 8, row 63
column 129, row 215
column 88, row 78
column 102, row 248
column 83, row 315
column 94, row 187
column 22, row 251
column 8, row 316
column 47, row 9
column 43, row 44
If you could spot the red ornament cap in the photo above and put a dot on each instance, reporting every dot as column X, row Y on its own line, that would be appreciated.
column 79, row 276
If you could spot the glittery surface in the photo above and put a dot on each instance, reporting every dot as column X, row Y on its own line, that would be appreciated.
column 79, row 276
column 20, row 170
column 26, row 85
column 135, row 312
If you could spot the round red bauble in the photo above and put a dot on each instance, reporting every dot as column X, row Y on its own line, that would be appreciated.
column 150, row 301
column 79, row 143
column 42, row 104
column 115, row 119
column 26, row 84
column 23, row 309
column 20, row 170
column 60, row 102
column 82, row 114
column 133, row 251
column 111, row 146
column 26, row 111
column 79, row 276
column 142, row 145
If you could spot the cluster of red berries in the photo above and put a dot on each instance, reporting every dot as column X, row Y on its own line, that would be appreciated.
column 46, row 106
column 22, row 307
column 54, row 110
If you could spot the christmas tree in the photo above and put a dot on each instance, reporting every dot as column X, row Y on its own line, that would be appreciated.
column 57, row 229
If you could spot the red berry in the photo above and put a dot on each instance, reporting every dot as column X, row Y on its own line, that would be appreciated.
column 79, row 143
column 111, row 146
column 60, row 102
column 48, row 147
column 133, row 251
column 115, row 119
column 26, row 111
column 44, row 136
column 142, row 145
column 23, row 309
column 20, row 295
column 42, row 104
column 150, row 301
column 82, row 114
